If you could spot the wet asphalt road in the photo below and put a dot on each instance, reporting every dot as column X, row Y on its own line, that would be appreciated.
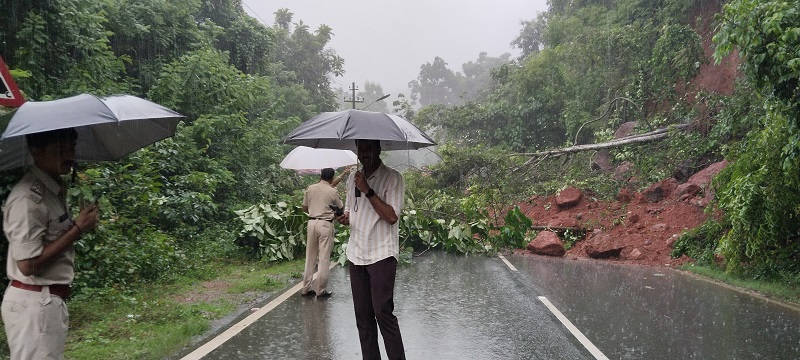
column 457, row 307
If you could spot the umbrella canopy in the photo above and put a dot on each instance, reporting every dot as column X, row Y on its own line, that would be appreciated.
column 108, row 127
column 339, row 130
column 303, row 157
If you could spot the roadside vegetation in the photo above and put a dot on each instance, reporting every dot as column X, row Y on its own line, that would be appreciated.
column 212, row 204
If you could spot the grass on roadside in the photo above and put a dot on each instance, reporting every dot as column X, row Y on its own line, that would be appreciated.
column 156, row 320
column 782, row 292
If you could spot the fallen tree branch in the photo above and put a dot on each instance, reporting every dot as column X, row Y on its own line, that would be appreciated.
column 559, row 228
column 633, row 139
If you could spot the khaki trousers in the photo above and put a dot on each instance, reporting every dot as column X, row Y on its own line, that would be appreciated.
column 319, row 243
column 36, row 323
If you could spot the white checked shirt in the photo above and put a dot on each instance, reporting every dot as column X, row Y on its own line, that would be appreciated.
column 373, row 239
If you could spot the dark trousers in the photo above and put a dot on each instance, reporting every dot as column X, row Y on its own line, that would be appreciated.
column 373, row 300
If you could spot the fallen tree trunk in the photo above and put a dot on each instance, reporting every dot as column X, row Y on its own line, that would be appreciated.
column 559, row 228
column 633, row 139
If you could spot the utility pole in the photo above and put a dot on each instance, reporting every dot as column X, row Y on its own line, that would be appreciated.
column 353, row 99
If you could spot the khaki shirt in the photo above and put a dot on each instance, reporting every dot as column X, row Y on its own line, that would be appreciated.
column 34, row 214
column 318, row 196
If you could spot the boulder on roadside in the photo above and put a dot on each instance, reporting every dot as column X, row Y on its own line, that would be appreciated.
column 687, row 190
column 568, row 198
column 659, row 191
column 547, row 243
column 703, row 178
column 603, row 247
column 635, row 254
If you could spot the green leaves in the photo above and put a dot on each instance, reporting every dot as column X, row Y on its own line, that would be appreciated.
column 279, row 228
column 766, row 33
column 758, row 192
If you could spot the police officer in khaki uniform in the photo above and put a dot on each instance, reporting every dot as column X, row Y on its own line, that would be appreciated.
column 40, row 262
column 319, row 240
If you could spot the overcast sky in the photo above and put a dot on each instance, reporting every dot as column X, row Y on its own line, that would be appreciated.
column 386, row 42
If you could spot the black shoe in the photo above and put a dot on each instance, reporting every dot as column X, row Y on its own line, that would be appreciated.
column 310, row 293
column 325, row 294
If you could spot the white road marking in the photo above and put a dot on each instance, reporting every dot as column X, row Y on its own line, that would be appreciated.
column 507, row 263
column 226, row 335
column 575, row 332
column 572, row 329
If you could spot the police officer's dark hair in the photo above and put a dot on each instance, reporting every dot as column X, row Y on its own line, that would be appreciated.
column 326, row 174
column 42, row 139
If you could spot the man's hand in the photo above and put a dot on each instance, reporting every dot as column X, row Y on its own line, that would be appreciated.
column 88, row 217
column 361, row 182
column 344, row 219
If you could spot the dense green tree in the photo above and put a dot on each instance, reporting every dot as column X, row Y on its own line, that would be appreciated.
column 301, row 57
column 64, row 45
column 207, row 60
column 436, row 84
column 758, row 192
column 232, row 117
column 152, row 33
column 577, row 58
column 530, row 39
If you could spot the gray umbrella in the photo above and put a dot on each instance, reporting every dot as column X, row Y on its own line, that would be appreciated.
column 108, row 127
column 339, row 130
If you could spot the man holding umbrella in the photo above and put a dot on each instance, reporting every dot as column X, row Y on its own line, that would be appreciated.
column 40, row 262
column 374, row 248
column 56, row 134
column 372, row 209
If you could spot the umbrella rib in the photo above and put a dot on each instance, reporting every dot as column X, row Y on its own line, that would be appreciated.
column 106, row 106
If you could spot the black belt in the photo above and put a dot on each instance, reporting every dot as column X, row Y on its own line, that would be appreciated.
column 316, row 218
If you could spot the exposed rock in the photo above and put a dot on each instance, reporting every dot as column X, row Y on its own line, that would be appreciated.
column 659, row 191
column 547, row 243
column 568, row 198
column 658, row 227
column 603, row 247
column 671, row 240
column 626, row 129
column 703, row 177
column 602, row 160
column 624, row 171
column 683, row 171
column 644, row 226
column 636, row 254
column 687, row 189
column 563, row 222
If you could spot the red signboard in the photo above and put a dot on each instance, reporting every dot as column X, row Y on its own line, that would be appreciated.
column 10, row 95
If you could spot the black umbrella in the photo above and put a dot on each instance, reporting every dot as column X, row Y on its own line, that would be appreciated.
column 339, row 130
column 108, row 127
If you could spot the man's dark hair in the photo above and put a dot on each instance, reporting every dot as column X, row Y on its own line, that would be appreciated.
column 42, row 139
column 326, row 174
column 375, row 144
